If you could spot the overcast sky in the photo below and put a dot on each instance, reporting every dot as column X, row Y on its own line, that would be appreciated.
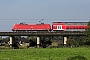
column 31, row 11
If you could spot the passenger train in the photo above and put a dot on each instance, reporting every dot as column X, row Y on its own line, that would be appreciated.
column 55, row 26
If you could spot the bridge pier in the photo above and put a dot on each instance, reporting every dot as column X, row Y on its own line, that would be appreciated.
column 11, row 41
column 38, row 41
column 65, row 40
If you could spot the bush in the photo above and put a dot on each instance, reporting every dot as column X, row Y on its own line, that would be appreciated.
column 54, row 44
column 72, row 43
column 77, row 58
column 24, row 45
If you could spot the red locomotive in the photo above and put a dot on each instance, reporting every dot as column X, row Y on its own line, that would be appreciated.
column 56, row 26
column 31, row 27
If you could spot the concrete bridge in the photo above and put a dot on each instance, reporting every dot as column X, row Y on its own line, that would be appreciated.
column 39, row 34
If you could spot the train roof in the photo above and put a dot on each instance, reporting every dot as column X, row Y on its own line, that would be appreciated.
column 30, row 24
column 70, row 22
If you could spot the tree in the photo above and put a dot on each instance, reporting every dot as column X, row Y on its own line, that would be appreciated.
column 17, row 37
column 32, row 38
column 72, row 43
column 87, row 33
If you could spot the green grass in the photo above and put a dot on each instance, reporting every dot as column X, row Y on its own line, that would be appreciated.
column 44, row 54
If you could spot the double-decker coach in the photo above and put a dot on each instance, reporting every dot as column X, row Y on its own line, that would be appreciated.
column 69, row 26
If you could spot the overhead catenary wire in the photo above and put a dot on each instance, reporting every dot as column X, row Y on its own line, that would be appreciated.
column 44, row 19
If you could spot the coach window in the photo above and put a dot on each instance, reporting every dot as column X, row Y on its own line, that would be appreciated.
column 74, row 23
column 59, row 27
column 70, row 27
column 54, row 27
column 76, row 28
column 67, row 28
column 82, row 27
column 86, row 23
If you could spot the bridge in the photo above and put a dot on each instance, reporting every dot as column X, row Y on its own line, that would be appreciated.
column 39, row 34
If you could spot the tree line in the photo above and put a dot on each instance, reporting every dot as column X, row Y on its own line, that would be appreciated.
column 80, row 40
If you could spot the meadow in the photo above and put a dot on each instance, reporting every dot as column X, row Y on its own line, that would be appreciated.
column 45, row 54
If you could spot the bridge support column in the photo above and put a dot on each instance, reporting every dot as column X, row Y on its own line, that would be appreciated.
column 65, row 40
column 11, row 41
column 38, row 41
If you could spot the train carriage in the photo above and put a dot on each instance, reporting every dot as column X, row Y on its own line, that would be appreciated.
column 69, row 26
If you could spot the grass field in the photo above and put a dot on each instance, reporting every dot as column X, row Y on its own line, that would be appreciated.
column 44, row 53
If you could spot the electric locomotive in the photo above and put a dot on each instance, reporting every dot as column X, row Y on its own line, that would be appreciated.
column 31, row 27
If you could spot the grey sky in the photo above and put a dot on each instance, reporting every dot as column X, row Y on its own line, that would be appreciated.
column 31, row 11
